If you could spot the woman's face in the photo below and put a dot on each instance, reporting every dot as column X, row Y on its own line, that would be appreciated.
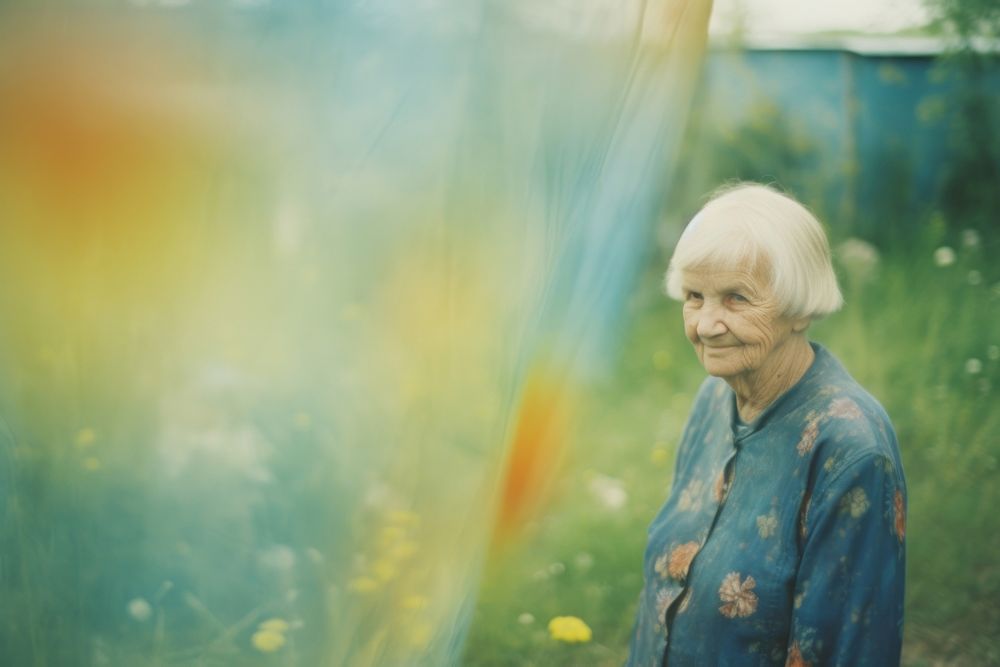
column 733, row 320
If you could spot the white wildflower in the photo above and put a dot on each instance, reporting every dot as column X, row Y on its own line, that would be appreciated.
column 859, row 258
column 970, row 238
column 139, row 609
column 944, row 256
column 608, row 491
column 277, row 557
column 973, row 366
column 526, row 619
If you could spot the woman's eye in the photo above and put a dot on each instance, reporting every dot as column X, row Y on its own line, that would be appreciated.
column 694, row 296
column 739, row 298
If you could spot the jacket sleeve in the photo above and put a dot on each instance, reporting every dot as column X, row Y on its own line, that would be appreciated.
column 848, row 597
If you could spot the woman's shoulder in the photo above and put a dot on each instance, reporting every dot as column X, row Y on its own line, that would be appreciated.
column 836, row 397
column 848, row 425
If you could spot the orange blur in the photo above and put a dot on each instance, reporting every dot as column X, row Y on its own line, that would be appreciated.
column 539, row 444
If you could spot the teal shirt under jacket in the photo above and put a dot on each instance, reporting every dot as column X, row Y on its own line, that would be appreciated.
column 782, row 541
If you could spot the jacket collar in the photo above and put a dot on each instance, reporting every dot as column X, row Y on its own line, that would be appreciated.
column 807, row 386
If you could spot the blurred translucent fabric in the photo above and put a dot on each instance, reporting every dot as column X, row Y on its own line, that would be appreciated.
column 298, row 302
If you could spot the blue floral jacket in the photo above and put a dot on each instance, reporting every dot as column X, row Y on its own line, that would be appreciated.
column 782, row 540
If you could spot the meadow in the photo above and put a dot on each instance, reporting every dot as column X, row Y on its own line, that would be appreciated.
column 919, row 329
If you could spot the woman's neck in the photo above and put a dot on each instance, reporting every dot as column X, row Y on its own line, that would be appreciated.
column 757, row 389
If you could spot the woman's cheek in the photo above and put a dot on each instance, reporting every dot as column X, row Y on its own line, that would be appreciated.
column 691, row 331
column 757, row 328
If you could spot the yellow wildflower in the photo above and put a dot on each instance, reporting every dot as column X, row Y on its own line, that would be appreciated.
column 414, row 602
column 278, row 625
column 569, row 629
column 91, row 463
column 85, row 437
column 403, row 550
column 659, row 456
column 384, row 570
column 420, row 634
column 391, row 534
column 267, row 641
column 405, row 518
column 363, row 585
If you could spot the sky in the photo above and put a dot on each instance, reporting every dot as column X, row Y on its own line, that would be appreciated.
column 804, row 16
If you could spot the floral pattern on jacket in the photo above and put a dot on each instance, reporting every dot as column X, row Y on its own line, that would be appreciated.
column 782, row 541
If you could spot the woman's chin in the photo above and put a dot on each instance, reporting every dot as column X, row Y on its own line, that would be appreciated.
column 720, row 371
column 720, row 367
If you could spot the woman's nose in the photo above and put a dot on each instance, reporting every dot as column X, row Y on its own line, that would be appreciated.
column 710, row 322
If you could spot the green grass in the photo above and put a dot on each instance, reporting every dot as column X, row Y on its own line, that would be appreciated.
column 906, row 334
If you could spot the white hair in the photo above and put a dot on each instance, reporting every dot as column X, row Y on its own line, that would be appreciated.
column 755, row 226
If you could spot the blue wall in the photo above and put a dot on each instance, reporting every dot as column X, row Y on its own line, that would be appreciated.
column 876, row 122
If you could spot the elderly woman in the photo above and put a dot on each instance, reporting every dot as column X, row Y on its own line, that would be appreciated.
column 781, row 542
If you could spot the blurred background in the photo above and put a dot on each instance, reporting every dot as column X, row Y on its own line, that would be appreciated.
column 332, row 332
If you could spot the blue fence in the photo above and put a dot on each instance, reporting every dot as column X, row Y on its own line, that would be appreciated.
column 879, row 114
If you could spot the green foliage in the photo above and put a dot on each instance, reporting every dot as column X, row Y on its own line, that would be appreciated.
column 967, row 19
column 769, row 147
column 969, row 191
column 771, row 144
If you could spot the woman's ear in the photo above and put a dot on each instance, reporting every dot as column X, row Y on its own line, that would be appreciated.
column 801, row 324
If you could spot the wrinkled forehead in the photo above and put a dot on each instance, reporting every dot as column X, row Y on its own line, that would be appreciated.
column 753, row 277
